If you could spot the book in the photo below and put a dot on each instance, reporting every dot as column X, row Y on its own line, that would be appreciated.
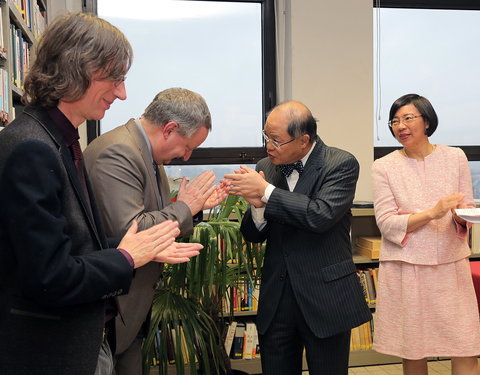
column 373, row 243
column 256, row 350
column 230, row 336
column 366, row 252
column 363, row 283
column 248, row 341
column 237, row 346
column 370, row 287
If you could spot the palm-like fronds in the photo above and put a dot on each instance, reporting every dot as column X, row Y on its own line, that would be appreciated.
column 190, row 303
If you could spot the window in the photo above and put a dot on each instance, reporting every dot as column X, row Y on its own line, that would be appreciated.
column 430, row 49
column 224, row 50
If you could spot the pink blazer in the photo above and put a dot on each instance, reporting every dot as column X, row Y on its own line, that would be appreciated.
column 403, row 186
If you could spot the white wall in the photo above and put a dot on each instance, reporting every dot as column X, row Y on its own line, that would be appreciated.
column 326, row 62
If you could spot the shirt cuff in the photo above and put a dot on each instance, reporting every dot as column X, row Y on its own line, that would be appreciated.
column 268, row 191
column 258, row 217
column 128, row 256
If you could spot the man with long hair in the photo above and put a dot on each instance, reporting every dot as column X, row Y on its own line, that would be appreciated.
column 57, row 276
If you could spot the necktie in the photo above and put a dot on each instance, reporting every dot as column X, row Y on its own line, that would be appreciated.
column 287, row 169
column 78, row 161
column 76, row 154
column 156, row 171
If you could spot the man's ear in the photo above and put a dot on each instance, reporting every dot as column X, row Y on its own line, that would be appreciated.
column 169, row 128
column 305, row 139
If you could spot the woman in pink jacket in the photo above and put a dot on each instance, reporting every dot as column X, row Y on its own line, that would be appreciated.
column 426, row 303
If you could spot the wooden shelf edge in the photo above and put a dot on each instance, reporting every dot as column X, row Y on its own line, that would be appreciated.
column 370, row 357
column 17, row 92
column 363, row 212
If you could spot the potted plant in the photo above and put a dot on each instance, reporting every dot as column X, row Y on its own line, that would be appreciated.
column 188, row 319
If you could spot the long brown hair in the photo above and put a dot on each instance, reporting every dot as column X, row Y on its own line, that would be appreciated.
column 72, row 49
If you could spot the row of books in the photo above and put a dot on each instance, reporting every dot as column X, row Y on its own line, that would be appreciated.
column 33, row 16
column 368, row 280
column 241, row 340
column 362, row 337
column 243, row 297
column 20, row 56
column 172, row 343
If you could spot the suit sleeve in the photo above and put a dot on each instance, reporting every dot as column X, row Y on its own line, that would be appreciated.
column 250, row 231
column 32, row 190
column 119, row 179
column 329, row 203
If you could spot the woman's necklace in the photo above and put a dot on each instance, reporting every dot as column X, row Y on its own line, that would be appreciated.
column 432, row 148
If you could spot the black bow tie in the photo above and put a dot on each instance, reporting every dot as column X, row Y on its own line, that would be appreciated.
column 287, row 169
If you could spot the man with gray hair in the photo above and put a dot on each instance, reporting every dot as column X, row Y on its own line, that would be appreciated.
column 129, row 182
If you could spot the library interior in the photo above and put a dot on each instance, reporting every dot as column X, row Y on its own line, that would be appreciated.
column 334, row 56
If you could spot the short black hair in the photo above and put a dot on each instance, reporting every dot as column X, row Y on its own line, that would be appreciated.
column 424, row 107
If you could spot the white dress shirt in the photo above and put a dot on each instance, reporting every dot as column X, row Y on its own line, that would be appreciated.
column 258, row 213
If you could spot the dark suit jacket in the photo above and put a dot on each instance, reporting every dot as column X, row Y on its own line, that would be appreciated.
column 308, row 238
column 53, row 279
column 119, row 164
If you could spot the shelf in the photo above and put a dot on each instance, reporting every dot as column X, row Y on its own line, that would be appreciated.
column 357, row 358
column 363, row 212
column 475, row 257
column 16, row 92
column 155, row 370
column 360, row 259
column 251, row 366
column 245, row 313
column 371, row 357
column 20, row 23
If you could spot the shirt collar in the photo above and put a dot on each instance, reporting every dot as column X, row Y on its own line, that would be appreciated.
column 305, row 158
column 147, row 141
column 66, row 128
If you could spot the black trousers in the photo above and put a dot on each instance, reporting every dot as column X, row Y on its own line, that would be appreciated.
column 282, row 346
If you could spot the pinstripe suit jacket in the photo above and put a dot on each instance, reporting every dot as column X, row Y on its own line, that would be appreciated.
column 53, row 282
column 119, row 164
column 308, row 238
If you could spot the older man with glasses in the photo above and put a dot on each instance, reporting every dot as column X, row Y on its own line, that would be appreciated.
column 300, row 196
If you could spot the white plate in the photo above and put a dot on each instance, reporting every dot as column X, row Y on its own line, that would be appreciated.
column 471, row 215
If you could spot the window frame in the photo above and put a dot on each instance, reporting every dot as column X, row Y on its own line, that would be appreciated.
column 472, row 152
column 228, row 155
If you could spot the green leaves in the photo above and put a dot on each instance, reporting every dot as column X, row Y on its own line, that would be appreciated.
column 188, row 309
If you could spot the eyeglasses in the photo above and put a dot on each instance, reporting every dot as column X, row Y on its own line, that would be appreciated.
column 275, row 143
column 407, row 119
column 118, row 81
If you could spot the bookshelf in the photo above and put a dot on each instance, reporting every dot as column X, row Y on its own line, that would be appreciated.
column 21, row 24
column 363, row 224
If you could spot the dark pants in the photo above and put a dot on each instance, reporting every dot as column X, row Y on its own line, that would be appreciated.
column 130, row 361
column 281, row 347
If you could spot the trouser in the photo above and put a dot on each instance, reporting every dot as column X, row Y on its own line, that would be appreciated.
column 105, row 358
column 282, row 346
